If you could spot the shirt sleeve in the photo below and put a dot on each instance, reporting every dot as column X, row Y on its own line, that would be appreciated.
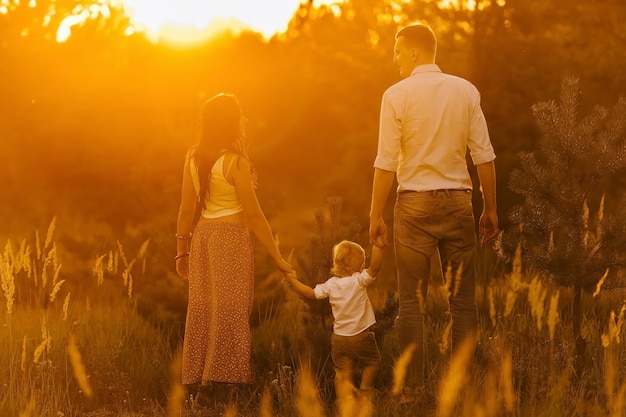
column 321, row 291
column 364, row 279
column 479, row 143
column 389, row 134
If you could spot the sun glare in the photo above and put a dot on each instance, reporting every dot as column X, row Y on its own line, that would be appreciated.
column 161, row 17
column 189, row 21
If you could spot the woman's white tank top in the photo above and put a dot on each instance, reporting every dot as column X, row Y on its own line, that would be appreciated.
column 222, row 199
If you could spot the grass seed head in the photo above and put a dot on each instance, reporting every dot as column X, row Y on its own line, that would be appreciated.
column 80, row 374
column 455, row 377
column 399, row 370
column 66, row 305
column 553, row 314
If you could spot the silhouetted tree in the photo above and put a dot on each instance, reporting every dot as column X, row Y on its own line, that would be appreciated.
column 568, row 231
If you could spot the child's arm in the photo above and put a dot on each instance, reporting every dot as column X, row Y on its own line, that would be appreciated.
column 376, row 262
column 299, row 287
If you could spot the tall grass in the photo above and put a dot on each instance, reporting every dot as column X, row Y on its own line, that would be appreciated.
column 73, row 353
column 65, row 355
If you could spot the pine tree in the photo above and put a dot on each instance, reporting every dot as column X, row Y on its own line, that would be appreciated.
column 568, row 232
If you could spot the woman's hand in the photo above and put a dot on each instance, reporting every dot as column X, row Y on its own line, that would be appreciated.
column 182, row 267
column 291, row 276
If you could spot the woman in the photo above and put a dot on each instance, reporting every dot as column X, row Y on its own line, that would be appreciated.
column 218, row 261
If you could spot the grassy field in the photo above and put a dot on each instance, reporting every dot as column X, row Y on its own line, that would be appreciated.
column 90, row 350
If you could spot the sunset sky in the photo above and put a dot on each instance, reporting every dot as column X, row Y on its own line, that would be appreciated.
column 169, row 19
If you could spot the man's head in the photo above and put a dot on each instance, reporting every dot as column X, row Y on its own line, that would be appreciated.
column 415, row 45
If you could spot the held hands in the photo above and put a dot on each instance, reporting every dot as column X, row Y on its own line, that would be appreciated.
column 182, row 267
column 291, row 276
column 378, row 232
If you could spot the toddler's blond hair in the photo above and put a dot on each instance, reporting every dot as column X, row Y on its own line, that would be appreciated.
column 348, row 258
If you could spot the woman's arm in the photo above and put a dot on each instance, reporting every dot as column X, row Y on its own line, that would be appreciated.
column 256, row 219
column 300, row 288
column 184, row 224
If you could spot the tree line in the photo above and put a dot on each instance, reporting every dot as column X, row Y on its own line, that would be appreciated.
column 94, row 129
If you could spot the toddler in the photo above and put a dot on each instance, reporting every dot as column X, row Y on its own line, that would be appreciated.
column 352, row 343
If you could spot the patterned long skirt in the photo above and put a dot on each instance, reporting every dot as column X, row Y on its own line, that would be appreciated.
column 221, row 285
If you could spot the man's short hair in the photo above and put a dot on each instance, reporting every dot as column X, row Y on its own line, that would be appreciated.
column 420, row 35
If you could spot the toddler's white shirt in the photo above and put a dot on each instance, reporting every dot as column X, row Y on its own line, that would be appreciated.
column 352, row 309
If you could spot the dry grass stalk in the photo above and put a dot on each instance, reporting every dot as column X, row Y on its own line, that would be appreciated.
column 56, row 288
column 308, row 401
column 43, row 346
column 600, row 283
column 515, row 282
column 129, row 282
column 120, row 250
column 553, row 314
column 351, row 405
column 346, row 400
column 23, row 260
column 23, row 361
column 38, row 244
column 50, row 260
column 231, row 411
column 177, row 391
column 98, row 270
column 455, row 377
column 30, row 408
column 516, row 273
column 610, row 376
column 143, row 249
column 506, row 382
column 445, row 338
column 490, row 406
column 615, row 328
column 492, row 306
column 537, row 294
column 80, row 374
column 8, row 282
column 46, row 344
column 600, row 227
column 266, row 409
column 585, row 223
column 111, row 264
column 399, row 369
column 620, row 402
column 50, row 234
column 511, row 298
column 66, row 305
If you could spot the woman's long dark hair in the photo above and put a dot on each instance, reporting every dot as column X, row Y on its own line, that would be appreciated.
column 220, row 132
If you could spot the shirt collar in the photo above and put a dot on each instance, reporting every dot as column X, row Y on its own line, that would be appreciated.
column 425, row 68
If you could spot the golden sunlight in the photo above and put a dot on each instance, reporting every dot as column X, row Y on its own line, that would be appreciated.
column 189, row 21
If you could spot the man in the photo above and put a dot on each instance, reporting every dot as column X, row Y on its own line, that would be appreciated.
column 428, row 120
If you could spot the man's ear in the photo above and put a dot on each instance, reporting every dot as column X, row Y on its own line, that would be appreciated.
column 415, row 53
